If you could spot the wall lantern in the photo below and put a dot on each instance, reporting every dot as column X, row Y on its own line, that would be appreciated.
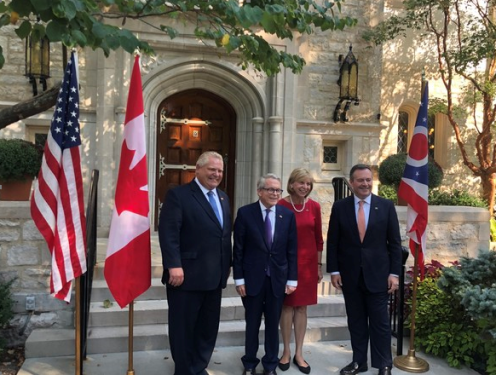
column 37, row 62
column 348, row 86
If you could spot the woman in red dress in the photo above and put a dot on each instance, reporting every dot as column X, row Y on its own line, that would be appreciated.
column 310, row 246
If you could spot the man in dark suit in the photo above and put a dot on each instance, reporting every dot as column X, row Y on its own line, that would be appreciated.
column 195, row 239
column 365, row 266
column 264, row 268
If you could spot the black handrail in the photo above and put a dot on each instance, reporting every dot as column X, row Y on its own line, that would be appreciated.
column 397, row 306
column 87, row 278
column 342, row 188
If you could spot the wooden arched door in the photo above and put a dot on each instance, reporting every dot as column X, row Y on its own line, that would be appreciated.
column 190, row 123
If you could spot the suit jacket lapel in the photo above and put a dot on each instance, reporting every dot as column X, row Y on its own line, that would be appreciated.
column 259, row 220
column 352, row 219
column 202, row 201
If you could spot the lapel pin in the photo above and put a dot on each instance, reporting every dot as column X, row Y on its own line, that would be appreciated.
column 376, row 208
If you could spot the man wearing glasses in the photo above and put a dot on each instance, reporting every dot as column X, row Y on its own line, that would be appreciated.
column 264, row 269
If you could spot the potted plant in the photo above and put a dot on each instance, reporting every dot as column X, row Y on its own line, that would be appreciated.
column 20, row 162
column 392, row 168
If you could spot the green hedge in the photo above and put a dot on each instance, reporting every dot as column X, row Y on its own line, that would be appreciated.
column 456, row 312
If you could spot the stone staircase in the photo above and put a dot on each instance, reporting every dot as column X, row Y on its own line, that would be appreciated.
column 108, row 327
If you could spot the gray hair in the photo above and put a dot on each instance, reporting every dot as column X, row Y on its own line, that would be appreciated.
column 204, row 158
column 268, row 176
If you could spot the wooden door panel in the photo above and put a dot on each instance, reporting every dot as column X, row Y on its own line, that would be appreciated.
column 190, row 123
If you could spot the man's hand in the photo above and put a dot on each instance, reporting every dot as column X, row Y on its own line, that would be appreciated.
column 336, row 281
column 176, row 276
column 393, row 284
column 290, row 289
column 241, row 290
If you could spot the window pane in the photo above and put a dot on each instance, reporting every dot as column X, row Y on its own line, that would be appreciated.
column 330, row 154
column 431, row 123
column 402, row 132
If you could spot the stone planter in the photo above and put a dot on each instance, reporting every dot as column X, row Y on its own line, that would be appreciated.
column 15, row 190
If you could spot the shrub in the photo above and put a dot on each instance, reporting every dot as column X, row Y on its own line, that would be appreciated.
column 388, row 192
column 19, row 159
column 454, row 198
column 473, row 286
column 442, row 326
column 392, row 168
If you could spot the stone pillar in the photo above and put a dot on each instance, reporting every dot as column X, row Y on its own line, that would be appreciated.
column 275, row 145
column 257, row 153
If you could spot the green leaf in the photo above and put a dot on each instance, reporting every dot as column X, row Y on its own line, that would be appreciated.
column 55, row 30
column 172, row 32
column 79, row 37
column 2, row 58
column 65, row 9
column 22, row 7
column 24, row 30
column 41, row 4
column 4, row 19
column 268, row 23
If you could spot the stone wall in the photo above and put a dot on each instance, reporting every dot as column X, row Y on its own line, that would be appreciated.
column 24, row 256
column 453, row 232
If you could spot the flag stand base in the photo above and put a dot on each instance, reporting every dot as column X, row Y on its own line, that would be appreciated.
column 410, row 363
column 130, row 372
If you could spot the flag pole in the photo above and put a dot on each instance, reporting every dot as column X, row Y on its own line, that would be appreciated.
column 410, row 362
column 130, row 370
column 78, row 327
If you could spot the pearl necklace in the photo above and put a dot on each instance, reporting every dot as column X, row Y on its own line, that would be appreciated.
column 294, row 208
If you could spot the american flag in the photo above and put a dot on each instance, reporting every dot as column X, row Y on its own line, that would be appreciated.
column 57, row 205
column 414, row 183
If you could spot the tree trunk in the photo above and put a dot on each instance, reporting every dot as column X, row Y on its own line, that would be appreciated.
column 488, row 182
column 30, row 107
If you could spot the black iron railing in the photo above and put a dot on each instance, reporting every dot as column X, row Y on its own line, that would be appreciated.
column 342, row 188
column 397, row 306
column 87, row 278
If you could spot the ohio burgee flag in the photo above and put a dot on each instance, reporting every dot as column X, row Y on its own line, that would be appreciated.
column 414, row 183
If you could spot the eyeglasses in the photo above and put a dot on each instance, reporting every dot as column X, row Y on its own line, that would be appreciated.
column 273, row 191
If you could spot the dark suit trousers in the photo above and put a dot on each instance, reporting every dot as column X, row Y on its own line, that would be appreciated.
column 368, row 317
column 193, row 327
column 267, row 304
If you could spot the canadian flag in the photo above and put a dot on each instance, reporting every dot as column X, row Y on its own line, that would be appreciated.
column 128, row 262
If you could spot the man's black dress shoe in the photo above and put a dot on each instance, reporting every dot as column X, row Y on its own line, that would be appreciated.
column 269, row 372
column 249, row 371
column 353, row 368
column 385, row 371
column 304, row 369
column 283, row 366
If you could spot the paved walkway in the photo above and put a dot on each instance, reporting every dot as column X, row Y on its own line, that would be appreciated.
column 324, row 357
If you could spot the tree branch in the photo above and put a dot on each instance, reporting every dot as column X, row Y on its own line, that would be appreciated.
column 29, row 107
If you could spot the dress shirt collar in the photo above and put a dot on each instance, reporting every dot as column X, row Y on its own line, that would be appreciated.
column 205, row 190
column 366, row 200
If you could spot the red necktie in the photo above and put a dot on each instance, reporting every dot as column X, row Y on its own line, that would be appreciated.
column 361, row 220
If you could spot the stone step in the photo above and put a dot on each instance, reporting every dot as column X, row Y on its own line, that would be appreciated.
column 156, row 311
column 100, row 291
column 60, row 342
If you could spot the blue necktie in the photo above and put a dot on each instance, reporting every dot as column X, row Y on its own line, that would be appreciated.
column 211, row 199
column 268, row 229
column 268, row 236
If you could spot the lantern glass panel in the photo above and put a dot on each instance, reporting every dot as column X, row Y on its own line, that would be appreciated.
column 353, row 86
column 345, row 81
